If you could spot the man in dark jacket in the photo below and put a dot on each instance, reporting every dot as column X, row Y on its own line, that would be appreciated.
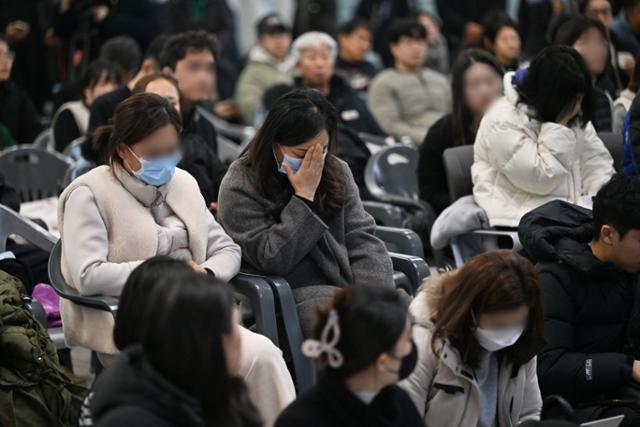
column 316, row 53
column 588, row 267
column 634, row 123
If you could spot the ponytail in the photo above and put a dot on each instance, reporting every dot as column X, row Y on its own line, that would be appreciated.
column 102, row 144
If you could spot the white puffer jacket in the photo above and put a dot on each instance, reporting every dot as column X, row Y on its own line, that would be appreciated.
column 521, row 163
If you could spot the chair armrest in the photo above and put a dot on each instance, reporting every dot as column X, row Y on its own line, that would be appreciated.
column 384, row 213
column 62, row 288
column 401, row 240
column 513, row 235
column 259, row 293
column 416, row 269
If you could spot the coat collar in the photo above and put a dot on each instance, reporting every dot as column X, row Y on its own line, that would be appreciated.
column 147, row 195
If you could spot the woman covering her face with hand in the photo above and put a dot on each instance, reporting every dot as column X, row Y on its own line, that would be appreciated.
column 477, row 331
column 294, row 208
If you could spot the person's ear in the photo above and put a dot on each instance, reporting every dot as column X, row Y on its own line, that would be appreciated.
column 149, row 66
column 608, row 235
column 381, row 363
column 168, row 70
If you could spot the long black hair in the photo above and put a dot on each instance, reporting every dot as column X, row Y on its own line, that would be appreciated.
column 555, row 77
column 296, row 118
column 177, row 316
column 461, row 118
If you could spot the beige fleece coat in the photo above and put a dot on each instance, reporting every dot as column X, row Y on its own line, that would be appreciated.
column 444, row 389
column 108, row 229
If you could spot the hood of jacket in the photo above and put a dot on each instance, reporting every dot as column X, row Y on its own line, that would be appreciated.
column 560, row 231
column 424, row 306
column 132, row 381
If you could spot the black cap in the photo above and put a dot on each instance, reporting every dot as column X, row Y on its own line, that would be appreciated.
column 272, row 24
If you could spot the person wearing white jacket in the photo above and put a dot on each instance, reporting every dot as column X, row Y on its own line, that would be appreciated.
column 537, row 143
column 139, row 206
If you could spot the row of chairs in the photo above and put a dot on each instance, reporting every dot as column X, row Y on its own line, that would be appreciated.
column 391, row 178
column 268, row 296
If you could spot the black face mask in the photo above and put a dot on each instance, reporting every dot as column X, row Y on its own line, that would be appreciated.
column 407, row 363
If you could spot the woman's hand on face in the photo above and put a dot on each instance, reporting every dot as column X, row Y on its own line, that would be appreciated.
column 305, row 182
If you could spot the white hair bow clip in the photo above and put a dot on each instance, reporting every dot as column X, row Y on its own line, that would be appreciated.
column 314, row 348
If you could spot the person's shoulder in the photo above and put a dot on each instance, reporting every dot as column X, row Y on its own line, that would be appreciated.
column 308, row 410
column 433, row 75
column 387, row 76
column 131, row 415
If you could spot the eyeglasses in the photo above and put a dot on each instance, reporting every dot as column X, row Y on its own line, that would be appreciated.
column 8, row 55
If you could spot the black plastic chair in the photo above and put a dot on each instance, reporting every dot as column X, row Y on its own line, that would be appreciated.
column 256, row 290
column 390, row 175
column 457, row 165
column 34, row 172
column 613, row 143
column 385, row 214
column 400, row 240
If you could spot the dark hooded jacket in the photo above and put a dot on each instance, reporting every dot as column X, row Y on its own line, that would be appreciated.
column 131, row 392
column 588, row 307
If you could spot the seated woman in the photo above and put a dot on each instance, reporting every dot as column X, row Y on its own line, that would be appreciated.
column 475, row 83
column 151, row 373
column 477, row 331
column 537, row 143
column 589, row 38
column 294, row 207
column 71, row 120
column 115, row 217
column 502, row 40
column 364, row 340
column 198, row 158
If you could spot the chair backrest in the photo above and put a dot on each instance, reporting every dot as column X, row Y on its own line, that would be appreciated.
column 34, row 173
column 228, row 150
column 391, row 173
column 12, row 223
column 613, row 142
column 238, row 133
column 74, row 150
column 44, row 139
column 457, row 165
column 76, row 170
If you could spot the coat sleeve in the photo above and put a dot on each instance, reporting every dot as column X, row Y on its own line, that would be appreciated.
column 532, row 398
column 596, row 163
column 418, row 384
column 368, row 256
column 536, row 165
column 273, row 247
column 85, row 245
column 575, row 375
column 385, row 108
column 223, row 255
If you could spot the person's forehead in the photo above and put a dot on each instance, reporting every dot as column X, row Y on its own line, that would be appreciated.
column 318, row 49
column 201, row 55
column 163, row 86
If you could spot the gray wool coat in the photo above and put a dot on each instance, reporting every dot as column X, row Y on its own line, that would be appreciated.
column 302, row 247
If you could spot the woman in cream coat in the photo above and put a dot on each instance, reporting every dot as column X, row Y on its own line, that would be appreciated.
column 139, row 206
column 537, row 144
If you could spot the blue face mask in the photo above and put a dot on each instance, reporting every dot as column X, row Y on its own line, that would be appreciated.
column 159, row 171
column 293, row 162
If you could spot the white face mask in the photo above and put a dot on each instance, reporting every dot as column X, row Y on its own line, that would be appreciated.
column 498, row 339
